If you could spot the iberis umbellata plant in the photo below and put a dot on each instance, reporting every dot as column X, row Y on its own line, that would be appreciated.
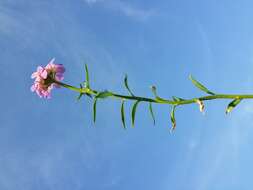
column 50, row 77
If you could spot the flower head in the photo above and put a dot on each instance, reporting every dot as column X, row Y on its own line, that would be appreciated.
column 45, row 77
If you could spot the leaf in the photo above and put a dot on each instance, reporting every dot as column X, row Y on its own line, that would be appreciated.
column 177, row 99
column 134, row 111
column 87, row 76
column 123, row 114
column 104, row 94
column 90, row 96
column 126, row 85
column 94, row 109
column 232, row 105
column 151, row 112
column 81, row 94
column 172, row 118
column 200, row 86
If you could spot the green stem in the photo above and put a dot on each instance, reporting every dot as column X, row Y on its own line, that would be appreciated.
column 89, row 91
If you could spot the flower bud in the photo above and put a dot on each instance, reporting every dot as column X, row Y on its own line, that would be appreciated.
column 201, row 105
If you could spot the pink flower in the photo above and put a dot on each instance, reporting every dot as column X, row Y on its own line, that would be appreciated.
column 44, row 79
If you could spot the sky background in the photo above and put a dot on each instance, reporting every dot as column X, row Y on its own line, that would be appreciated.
column 53, row 144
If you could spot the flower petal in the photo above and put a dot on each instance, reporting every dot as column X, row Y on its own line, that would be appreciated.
column 44, row 74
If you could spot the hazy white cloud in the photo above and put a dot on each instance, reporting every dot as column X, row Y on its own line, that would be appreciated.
column 125, row 9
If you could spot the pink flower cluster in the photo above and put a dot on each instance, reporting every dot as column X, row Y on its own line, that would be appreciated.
column 45, row 77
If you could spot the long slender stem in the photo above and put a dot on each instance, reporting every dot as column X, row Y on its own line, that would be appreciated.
column 90, row 91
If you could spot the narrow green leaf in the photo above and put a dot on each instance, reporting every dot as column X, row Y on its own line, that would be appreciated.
column 90, row 96
column 151, row 112
column 172, row 118
column 134, row 111
column 200, row 86
column 126, row 85
column 81, row 94
column 94, row 109
column 123, row 114
column 104, row 94
column 87, row 76
column 85, row 84
column 177, row 99
column 232, row 105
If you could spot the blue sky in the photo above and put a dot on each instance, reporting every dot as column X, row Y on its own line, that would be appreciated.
column 53, row 144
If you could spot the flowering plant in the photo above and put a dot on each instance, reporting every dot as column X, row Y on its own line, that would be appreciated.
column 45, row 78
column 48, row 77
